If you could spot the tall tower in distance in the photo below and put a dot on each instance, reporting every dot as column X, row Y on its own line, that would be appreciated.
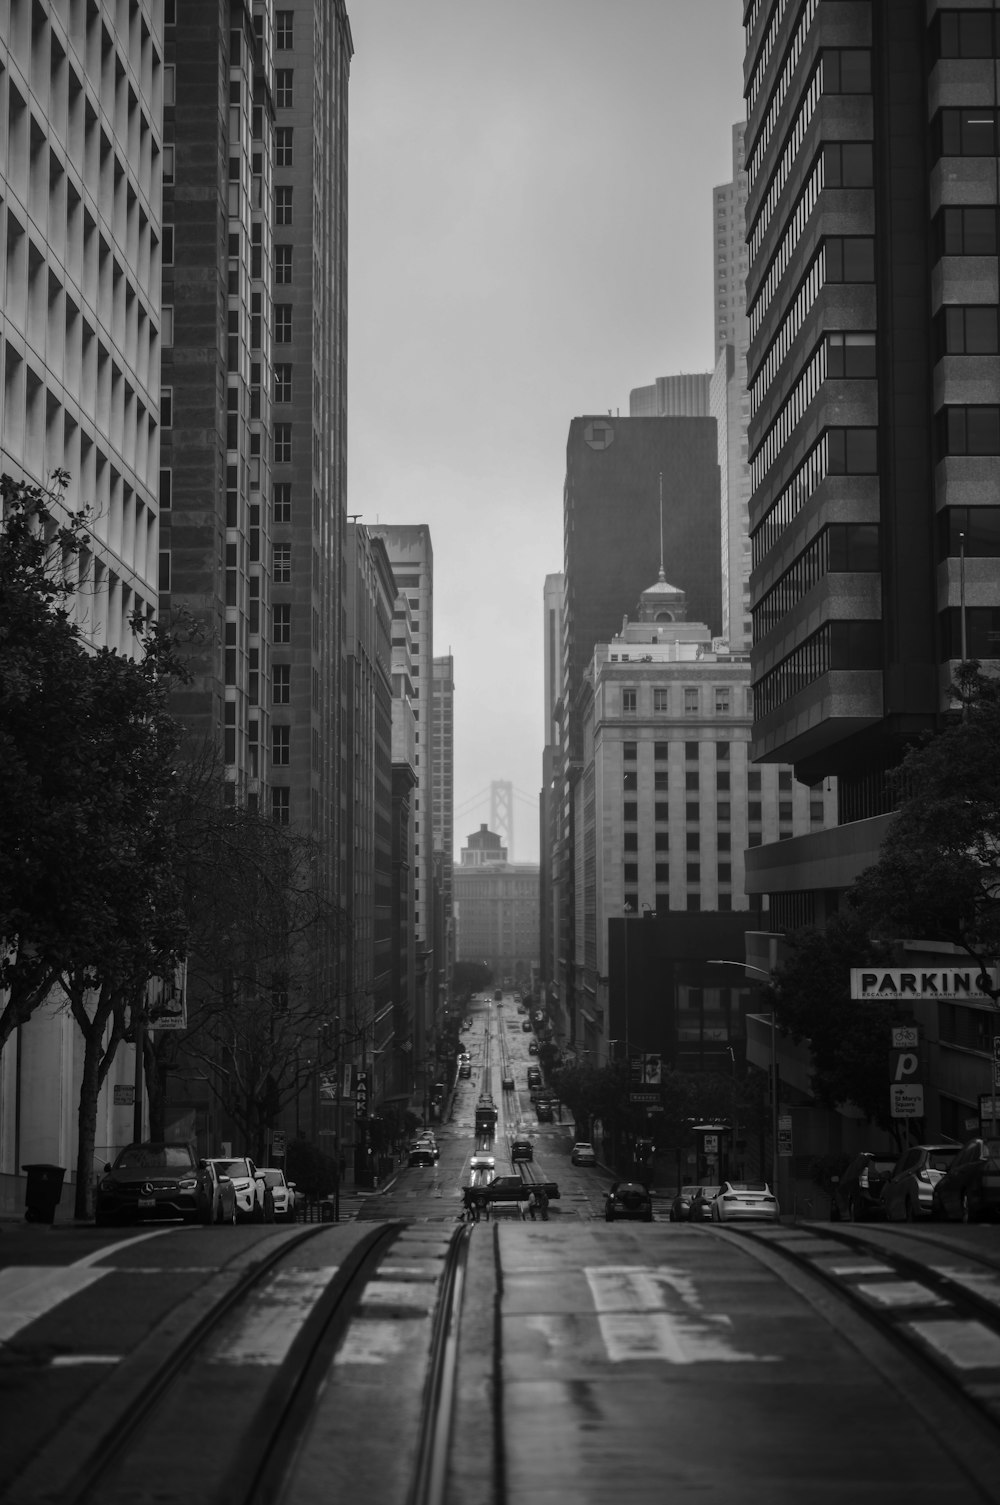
column 502, row 813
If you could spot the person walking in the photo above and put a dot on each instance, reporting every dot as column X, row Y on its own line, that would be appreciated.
column 542, row 1199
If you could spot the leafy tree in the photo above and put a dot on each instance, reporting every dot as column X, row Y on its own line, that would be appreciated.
column 849, row 1040
column 938, row 872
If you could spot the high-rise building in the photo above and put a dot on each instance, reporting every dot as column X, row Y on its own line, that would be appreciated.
column 412, row 558
column 496, row 908
column 683, row 396
column 872, row 218
column 549, row 803
column 82, row 91
column 443, row 813
column 728, row 401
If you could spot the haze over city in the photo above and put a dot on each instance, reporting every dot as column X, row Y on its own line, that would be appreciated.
column 530, row 238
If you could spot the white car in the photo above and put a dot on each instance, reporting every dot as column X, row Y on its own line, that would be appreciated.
column 741, row 1201
column 583, row 1154
column 248, row 1187
column 279, row 1193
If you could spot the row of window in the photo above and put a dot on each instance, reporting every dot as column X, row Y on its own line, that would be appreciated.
column 790, row 242
column 661, row 754
column 723, row 812
column 965, row 33
column 837, row 452
column 723, row 700
column 839, row 548
column 778, row 96
column 836, row 645
column 782, row 172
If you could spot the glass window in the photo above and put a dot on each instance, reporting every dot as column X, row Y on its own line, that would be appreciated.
column 283, row 264
column 691, row 781
column 281, row 501
column 283, row 94
column 629, row 702
column 958, row 33
column 630, row 810
column 661, row 752
column 630, row 779
column 283, row 146
column 283, row 205
column 283, row 323
column 630, row 751
column 852, row 452
column 661, row 779
column 630, row 841
column 281, row 746
column 847, row 70
column 968, row 231
column 283, row 382
column 847, row 164
column 661, row 841
column 691, row 751
column 721, row 780
column 960, row 330
column 977, row 528
column 850, row 258
column 282, row 622
column 661, row 701
column 282, row 443
column 281, row 684
column 850, row 355
column 690, row 701
column 970, row 131
column 284, row 30
column 970, row 430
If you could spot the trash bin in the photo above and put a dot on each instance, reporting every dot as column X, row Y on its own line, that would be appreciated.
column 43, row 1191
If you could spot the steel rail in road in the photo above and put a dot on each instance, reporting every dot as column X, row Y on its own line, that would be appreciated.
column 936, row 1300
column 431, row 1473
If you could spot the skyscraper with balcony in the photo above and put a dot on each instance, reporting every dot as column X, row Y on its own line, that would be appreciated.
column 874, row 440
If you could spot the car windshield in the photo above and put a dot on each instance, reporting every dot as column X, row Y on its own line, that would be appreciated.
column 940, row 1160
column 231, row 1167
column 688, row 1191
column 709, row 1191
column 273, row 1178
column 748, row 1186
column 154, row 1157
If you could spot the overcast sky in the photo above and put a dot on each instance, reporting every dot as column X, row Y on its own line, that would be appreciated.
column 530, row 237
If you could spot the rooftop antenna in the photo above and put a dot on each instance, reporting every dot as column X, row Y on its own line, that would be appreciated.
column 663, row 577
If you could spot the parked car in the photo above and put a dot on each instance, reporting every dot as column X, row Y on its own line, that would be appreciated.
column 909, row 1192
column 680, row 1207
column 740, row 1201
column 543, row 1108
column 858, row 1194
column 526, row 1026
column 156, row 1179
column 465, row 1071
column 222, row 1193
column 583, row 1154
column 970, row 1187
column 248, row 1186
column 701, row 1203
column 627, row 1199
column 533, row 1048
column 278, row 1193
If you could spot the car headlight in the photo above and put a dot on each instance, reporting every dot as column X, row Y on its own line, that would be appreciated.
column 189, row 1185
column 107, row 1183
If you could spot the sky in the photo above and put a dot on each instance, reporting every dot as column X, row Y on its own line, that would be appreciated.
column 530, row 237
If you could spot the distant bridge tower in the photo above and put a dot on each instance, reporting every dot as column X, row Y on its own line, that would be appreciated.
column 502, row 814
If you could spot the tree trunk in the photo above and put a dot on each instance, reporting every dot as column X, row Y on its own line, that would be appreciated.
column 92, row 1029
column 156, row 1071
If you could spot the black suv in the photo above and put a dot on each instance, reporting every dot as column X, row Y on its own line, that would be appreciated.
column 627, row 1199
column 154, row 1180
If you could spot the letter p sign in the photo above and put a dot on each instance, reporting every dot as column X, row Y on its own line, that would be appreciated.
column 904, row 1065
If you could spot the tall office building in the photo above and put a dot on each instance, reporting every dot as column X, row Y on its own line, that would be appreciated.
column 82, row 90
column 728, row 401
column 443, row 813
column 496, row 908
column 549, row 803
column 872, row 216
column 683, row 396
column 412, row 558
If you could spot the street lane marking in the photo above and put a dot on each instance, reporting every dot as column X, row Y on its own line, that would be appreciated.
column 32, row 1291
column 263, row 1332
column 966, row 1345
column 655, row 1312
column 985, row 1285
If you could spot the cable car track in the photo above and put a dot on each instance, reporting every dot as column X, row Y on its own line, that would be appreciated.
column 168, row 1390
column 942, row 1309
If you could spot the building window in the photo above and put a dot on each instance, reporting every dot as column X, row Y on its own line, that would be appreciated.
column 784, row 809
column 283, row 323
column 722, row 752
column 691, row 781
column 725, row 872
column 849, row 258
column 852, row 452
column 847, row 164
column 630, row 779
column 281, row 806
column 164, row 580
column 969, row 430
column 722, row 780
column 631, row 903
column 847, row 70
column 691, row 700
column 661, row 841
column 167, row 325
column 283, row 88
column 630, row 811
column 974, row 529
column 661, row 810
column 850, row 355
column 283, row 622
column 283, row 264
column 630, row 841
column 753, row 778
column 282, row 443
column 283, row 204
column 166, row 489
column 967, row 231
column 692, row 811
column 964, row 330
column 628, row 702
column 753, row 810
column 661, row 702
column 630, row 751
column 166, row 407
column 661, row 752
column 785, row 778
column 816, row 812
column 283, row 146
column 631, row 872
column 692, row 841
column 281, row 567
column 661, row 779
column 662, row 871
column 281, row 684
column 281, row 501
column 691, row 751
column 281, row 746
column 967, row 132
column 722, row 705
column 284, row 24
column 724, row 840
column 725, row 903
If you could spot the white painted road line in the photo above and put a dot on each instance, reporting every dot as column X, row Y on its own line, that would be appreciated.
column 966, row 1345
column 31, row 1291
column 656, row 1313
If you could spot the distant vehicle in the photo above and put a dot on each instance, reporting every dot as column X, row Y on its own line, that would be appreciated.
column 425, row 1142
column 534, row 1076
column 701, row 1204
column 481, row 1167
column 627, row 1199
column 739, row 1201
column 532, row 1047
column 526, row 1026
column 421, row 1154
column 486, row 1116
column 543, row 1109
column 680, row 1207
column 522, row 1149
column 583, row 1154
column 498, row 995
column 465, row 1071
column 521, row 1009
column 158, row 1179
column 970, row 1187
column 280, row 1192
column 909, row 1192
column 857, row 1196
column 508, row 1083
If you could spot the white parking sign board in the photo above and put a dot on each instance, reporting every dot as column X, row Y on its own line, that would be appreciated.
column 907, row 1100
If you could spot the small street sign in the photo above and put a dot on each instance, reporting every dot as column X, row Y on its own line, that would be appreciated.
column 907, row 1100
column 644, row 1097
column 124, row 1097
column 785, row 1134
column 905, row 1037
column 278, row 1144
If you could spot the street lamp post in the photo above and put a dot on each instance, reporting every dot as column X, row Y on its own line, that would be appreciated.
column 762, row 972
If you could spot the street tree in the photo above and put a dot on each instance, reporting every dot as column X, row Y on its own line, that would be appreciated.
column 810, row 995
column 938, row 872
